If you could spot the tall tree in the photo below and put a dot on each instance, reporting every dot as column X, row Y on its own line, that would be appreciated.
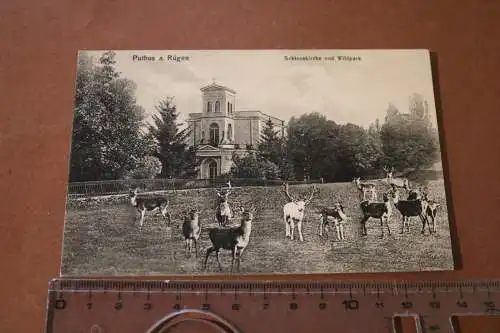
column 272, row 147
column 312, row 146
column 409, row 139
column 107, row 137
column 253, row 166
column 177, row 158
column 376, row 146
column 359, row 153
column 270, row 144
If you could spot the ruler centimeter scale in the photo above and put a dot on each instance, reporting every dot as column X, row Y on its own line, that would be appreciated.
column 154, row 306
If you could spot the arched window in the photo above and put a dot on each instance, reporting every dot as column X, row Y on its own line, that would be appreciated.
column 214, row 135
column 217, row 106
column 230, row 132
column 212, row 169
column 209, row 106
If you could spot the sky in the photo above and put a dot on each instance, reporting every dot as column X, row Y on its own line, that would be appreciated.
column 356, row 91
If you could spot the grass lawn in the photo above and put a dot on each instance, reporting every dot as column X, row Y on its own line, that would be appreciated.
column 105, row 239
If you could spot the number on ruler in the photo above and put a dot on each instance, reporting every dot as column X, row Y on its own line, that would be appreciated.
column 118, row 305
column 462, row 304
column 351, row 304
column 148, row 306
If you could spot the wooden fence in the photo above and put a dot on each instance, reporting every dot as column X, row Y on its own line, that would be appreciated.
column 115, row 187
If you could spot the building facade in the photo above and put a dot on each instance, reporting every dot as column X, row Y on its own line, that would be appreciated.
column 220, row 130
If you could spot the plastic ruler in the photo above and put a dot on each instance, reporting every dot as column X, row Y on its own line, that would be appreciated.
column 108, row 306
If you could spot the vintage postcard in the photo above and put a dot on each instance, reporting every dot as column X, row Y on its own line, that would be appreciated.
column 255, row 162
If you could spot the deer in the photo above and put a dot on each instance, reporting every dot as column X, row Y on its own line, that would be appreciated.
column 365, row 188
column 293, row 213
column 378, row 210
column 411, row 208
column 389, row 173
column 223, row 213
column 398, row 182
column 152, row 204
column 415, row 193
column 191, row 230
column 233, row 239
column 431, row 211
column 337, row 213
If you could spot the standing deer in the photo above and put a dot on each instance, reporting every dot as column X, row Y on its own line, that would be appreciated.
column 431, row 211
column 398, row 182
column 293, row 213
column 234, row 239
column 377, row 210
column 411, row 208
column 414, row 193
column 191, row 230
column 389, row 173
column 149, row 204
column 365, row 188
column 337, row 213
column 223, row 213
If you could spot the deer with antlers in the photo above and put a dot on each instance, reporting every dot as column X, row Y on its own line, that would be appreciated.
column 389, row 173
column 223, row 213
column 293, row 212
column 234, row 239
column 398, row 182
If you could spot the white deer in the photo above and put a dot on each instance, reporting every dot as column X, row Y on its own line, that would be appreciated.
column 293, row 213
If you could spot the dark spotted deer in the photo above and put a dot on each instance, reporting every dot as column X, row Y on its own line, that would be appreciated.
column 149, row 204
column 233, row 239
column 377, row 210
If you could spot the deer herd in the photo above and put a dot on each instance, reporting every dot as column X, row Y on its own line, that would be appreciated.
column 236, row 238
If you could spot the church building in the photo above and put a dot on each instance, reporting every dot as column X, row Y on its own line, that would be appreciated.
column 220, row 130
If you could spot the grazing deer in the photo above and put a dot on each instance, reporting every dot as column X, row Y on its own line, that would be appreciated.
column 151, row 204
column 365, row 188
column 337, row 213
column 191, row 230
column 411, row 208
column 378, row 210
column 293, row 213
column 234, row 239
column 223, row 213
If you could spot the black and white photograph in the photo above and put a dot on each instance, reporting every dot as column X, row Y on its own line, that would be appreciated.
column 246, row 162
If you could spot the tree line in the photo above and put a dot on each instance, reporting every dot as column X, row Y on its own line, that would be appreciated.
column 112, row 140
